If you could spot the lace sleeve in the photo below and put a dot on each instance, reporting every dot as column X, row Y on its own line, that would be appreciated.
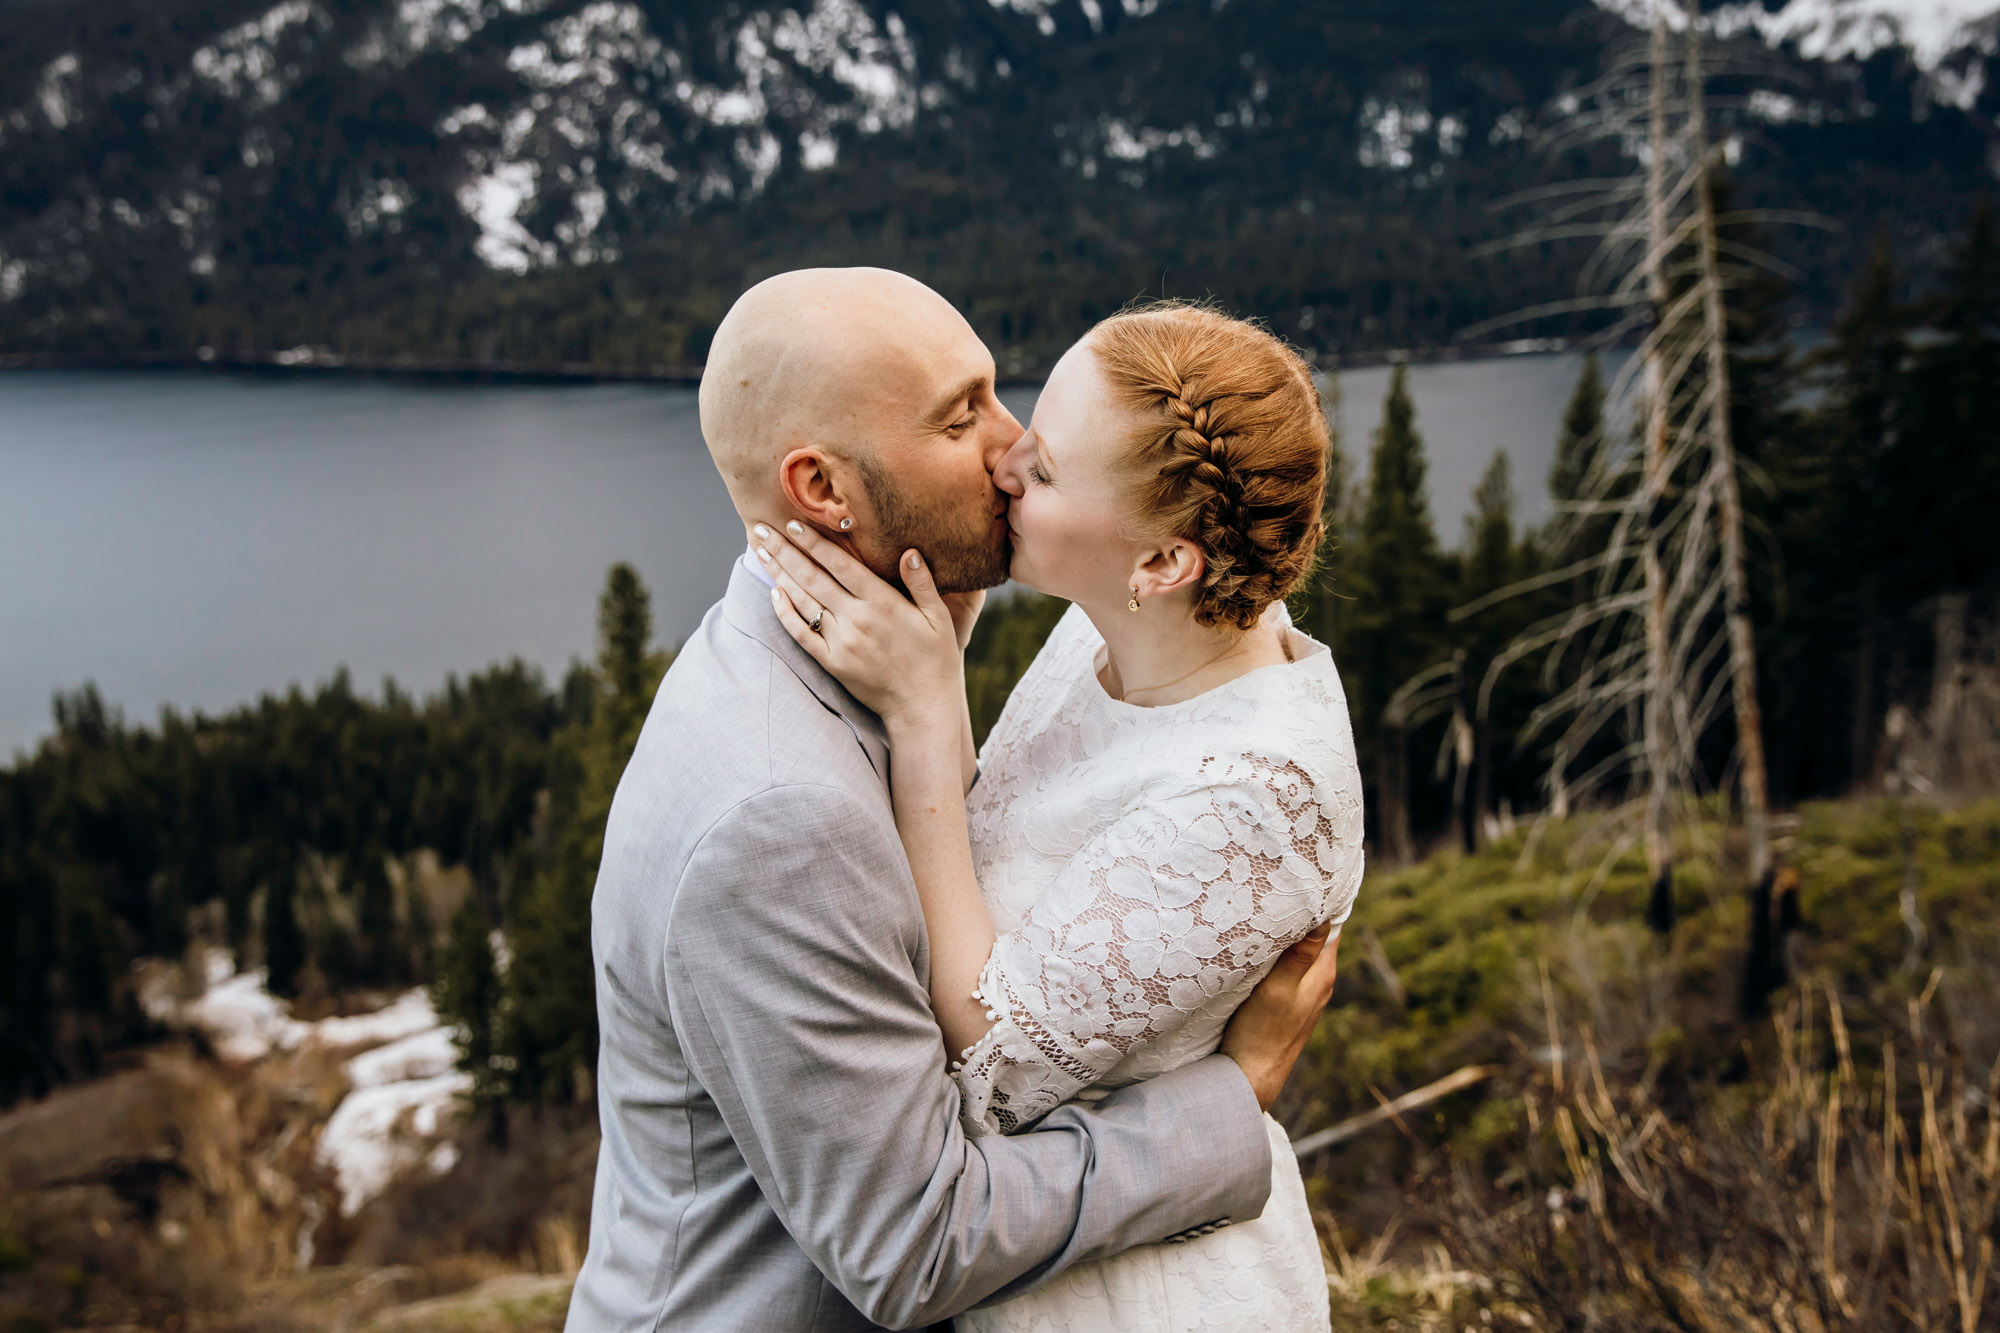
column 1147, row 925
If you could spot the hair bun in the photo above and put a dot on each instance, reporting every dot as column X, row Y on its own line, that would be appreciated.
column 1231, row 448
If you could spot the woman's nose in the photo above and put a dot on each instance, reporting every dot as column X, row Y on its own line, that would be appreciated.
column 1006, row 474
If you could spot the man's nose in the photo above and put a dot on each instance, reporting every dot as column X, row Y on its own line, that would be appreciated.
column 1006, row 430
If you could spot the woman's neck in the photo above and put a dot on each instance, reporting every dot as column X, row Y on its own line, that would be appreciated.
column 1158, row 655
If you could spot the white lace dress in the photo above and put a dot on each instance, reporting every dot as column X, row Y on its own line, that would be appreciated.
column 1145, row 867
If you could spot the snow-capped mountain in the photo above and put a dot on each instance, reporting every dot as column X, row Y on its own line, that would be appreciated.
column 159, row 157
column 1948, row 39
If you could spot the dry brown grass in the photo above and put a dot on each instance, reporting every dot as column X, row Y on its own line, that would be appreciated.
column 180, row 1194
column 1855, row 1185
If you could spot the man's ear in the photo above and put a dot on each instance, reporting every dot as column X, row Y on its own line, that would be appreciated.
column 813, row 490
column 1172, row 567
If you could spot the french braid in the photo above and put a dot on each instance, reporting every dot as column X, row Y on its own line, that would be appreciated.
column 1230, row 447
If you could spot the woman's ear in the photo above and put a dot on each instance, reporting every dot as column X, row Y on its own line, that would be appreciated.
column 1170, row 568
column 813, row 491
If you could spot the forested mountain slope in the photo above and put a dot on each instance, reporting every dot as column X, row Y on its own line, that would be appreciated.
column 592, row 180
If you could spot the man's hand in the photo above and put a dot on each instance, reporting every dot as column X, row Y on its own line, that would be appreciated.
column 1270, row 1029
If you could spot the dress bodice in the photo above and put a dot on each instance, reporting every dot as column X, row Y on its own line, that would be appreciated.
column 1144, row 867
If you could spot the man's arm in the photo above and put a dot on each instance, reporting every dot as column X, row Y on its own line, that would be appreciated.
column 789, row 972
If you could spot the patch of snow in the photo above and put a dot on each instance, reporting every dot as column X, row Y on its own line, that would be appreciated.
column 442, row 1159
column 410, row 1014
column 1510, row 125
column 242, row 1020
column 878, row 65
column 377, row 1133
column 55, row 93
column 404, row 1082
column 760, row 157
column 443, row 24
column 456, row 122
column 1451, row 135
column 1126, row 144
column 1833, row 29
column 421, row 1055
column 246, row 57
column 1390, row 130
column 818, row 151
column 494, row 201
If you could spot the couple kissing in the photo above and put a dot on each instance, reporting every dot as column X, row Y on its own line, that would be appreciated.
column 896, row 1034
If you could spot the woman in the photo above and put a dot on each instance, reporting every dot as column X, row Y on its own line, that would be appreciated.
column 1170, row 797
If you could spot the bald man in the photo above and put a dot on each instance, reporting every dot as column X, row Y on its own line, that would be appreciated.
column 781, row 1143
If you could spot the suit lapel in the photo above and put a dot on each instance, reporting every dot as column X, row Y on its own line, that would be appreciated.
column 747, row 607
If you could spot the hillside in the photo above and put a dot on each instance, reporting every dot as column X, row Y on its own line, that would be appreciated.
column 189, row 1189
column 590, row 181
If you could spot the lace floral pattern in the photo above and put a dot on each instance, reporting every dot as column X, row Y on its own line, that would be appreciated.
column 1145, row 867
column 1146, row 927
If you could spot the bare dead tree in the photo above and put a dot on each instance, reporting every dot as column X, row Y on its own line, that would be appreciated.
column 1662, row 649
column 1723, row 465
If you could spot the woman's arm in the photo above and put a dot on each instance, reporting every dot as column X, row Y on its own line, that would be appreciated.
column 927, row 783
column 1182, row 900
column 904, row 658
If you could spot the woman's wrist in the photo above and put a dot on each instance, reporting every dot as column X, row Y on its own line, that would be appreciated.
column 932, row 724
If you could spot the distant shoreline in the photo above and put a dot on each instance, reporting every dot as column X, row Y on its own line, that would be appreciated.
column 315, row 361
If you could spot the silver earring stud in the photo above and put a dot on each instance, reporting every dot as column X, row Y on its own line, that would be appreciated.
column 846, row 523
column 1133, row 605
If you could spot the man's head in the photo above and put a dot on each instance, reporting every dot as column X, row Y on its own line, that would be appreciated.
column 860, row 394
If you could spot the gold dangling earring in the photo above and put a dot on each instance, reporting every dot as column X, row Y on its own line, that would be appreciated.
column 1134, row 603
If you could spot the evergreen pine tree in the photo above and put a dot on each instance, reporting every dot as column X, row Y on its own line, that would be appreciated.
column 467, row 991
column 1489, row 531
column 1945, row 460
column 1317, row 604
column 1493, row 560
column 1393, row 625
column 1580, row 441
column 1840, row 557
column 552, row 1030
column 284, row 943
column 381, row 945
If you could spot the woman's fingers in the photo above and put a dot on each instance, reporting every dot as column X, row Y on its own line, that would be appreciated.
column 802, row 601
column 781, row 555
column 923, row 588
column 796, row 626
column 849, row 572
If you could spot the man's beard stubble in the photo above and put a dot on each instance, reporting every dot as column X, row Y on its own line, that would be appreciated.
column 962, row 558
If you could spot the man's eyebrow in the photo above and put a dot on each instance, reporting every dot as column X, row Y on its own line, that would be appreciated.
column 957, row 396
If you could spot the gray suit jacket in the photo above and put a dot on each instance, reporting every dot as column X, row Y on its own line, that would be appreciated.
column 781, row 1143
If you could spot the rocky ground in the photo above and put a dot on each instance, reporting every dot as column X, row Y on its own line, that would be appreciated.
column 258, row 1171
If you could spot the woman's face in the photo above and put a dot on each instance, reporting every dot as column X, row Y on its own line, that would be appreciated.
column 1068, row 510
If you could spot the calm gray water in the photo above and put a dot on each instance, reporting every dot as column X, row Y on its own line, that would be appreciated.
column 202, row 539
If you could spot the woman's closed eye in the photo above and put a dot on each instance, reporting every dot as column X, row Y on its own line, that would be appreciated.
column 1036, row 475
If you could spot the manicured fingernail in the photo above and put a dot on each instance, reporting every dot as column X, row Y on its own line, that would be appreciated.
column 916, row 561
column 764, row 555
column 794, row 528
column 777, row 599
column 763, row 532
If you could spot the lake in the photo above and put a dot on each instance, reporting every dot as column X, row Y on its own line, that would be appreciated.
column 200, row 539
